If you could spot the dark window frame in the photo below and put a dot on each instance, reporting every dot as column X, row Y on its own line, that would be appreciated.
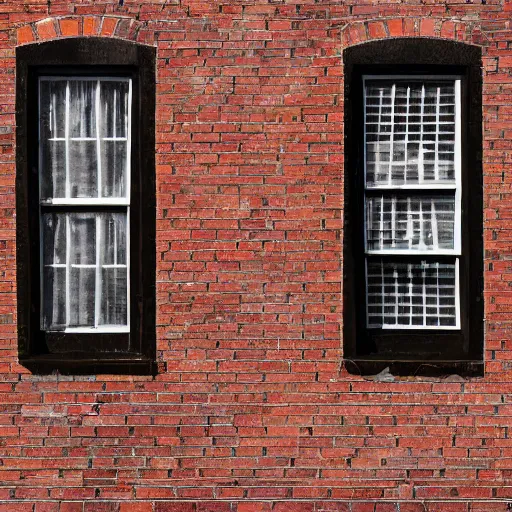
column 414, row 351
column 85, row 353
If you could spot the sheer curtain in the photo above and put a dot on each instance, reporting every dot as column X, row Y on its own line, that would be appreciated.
column 84, row 194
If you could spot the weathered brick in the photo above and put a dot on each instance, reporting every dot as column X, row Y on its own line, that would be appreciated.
column 252, row 410
column 69, row 27
column 25, row 34
column 46, row 29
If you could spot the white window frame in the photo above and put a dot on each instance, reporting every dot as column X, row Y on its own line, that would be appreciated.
column 456, row 187
column 93, row 202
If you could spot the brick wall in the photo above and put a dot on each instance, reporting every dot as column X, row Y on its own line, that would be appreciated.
column 252, row 410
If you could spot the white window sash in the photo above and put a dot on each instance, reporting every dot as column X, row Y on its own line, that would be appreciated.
column 426, row 187
column 93, row 202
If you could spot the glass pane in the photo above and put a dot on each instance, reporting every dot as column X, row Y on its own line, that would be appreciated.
column 114, row 125
column 53, row 109
column 113, row 239
column 82, row 227
column 83, row 169
column 114, row 108
column 52, row 124
column 82, row 108
column 114, row 308
column 410, row 132
column 114, row 282
column 54, row 298
column 82, row 287
column 411, row 295
column 53, row 169
column 54, row 271
column 82, row 296
column 113, row 165
column 413, row 222
column 54, row 239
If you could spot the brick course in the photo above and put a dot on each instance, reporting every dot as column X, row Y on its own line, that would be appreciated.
column 252, row 409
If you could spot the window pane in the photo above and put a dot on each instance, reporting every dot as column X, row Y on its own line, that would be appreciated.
column 54, row 239
column 53, row 156
column 82, row 245
column 82, row 296
column 85, row 270
column 413, row 222
column 82, row 108
column 113, row 162
column 410, row 132
column 52, row 128
column 53, row 109
column 411, row 295
column 113, row 239
column 114, row 307
column 114, row 108
column 114, row 99
column 54, row 298
column 54, row 271
column 83, row 169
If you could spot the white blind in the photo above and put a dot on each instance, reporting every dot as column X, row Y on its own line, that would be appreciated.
column 85, row 163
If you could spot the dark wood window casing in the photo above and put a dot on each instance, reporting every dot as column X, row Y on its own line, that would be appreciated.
column 129, row 351
column 414, row 351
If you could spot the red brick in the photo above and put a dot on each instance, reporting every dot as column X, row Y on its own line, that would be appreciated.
column 377, row 30
column 47, row 507
column 90, row 26
column 69, row 27
column 174, row 507
column 395, row 27
column 71, row 506
column 254, row 507
column 295, row 506
column 448, row 29
column 357, row 33
column 108, row 26
column 428, row 27
column 46, row 29
column 132, row 506
column 25, row 34
column 411, row 26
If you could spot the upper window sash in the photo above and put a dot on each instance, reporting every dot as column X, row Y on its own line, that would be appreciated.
column 420, row 188
column 61, row 133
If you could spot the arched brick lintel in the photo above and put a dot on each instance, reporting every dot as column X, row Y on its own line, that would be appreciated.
column 371, row 30
column 78, row 26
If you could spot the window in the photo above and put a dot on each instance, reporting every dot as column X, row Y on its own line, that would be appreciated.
column 86, row 202
column 413, row 207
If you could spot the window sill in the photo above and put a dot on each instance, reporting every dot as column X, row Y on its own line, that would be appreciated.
column 424, row 368
column 85, row 364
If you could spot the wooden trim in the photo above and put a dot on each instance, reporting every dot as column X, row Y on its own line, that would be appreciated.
column 404, row 367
